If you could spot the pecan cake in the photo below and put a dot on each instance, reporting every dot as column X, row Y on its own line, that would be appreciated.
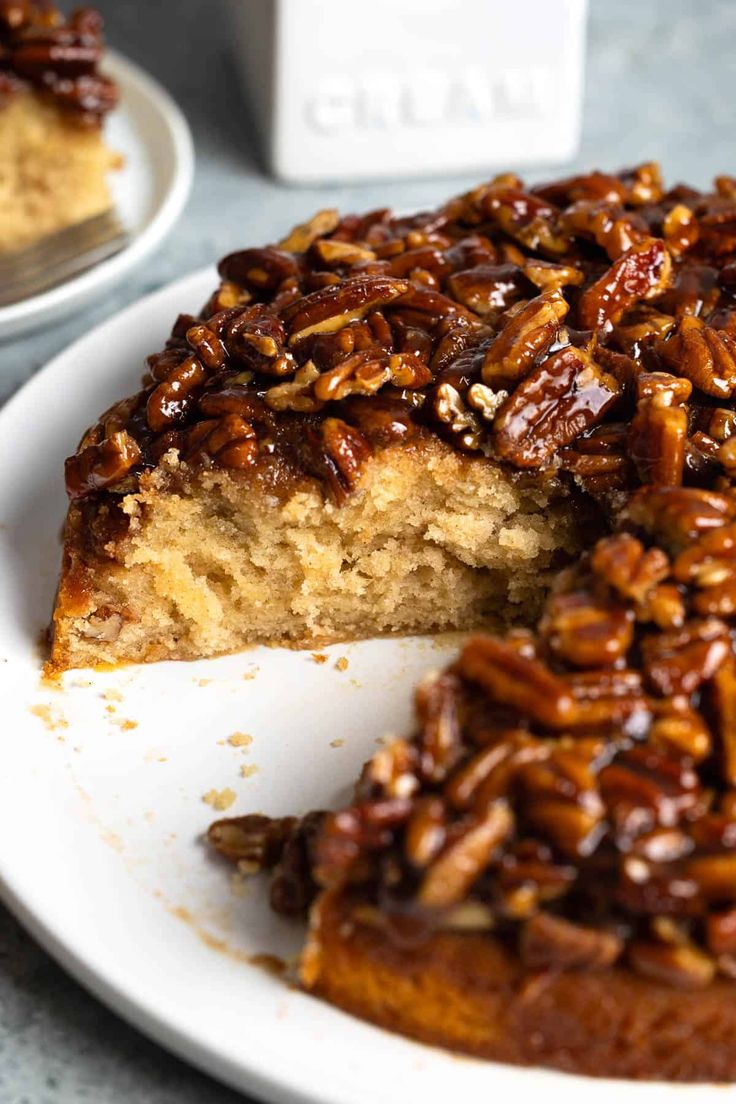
column 53, row 158
column 401, row 424
column 545, row 871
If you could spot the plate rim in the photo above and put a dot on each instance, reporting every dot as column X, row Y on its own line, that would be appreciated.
column 41, row 309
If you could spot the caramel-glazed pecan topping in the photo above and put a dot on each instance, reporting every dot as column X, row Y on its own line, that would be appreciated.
column 585, row 328
column 571, row 788
column 58, row 57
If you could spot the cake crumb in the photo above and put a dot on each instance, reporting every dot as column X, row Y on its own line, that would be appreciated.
column 203, row 682
column 240, row 739
column 341, row 664
column 338, row 742
column 51, row 718
column 319, row 657
column 248, row 770
column 112, row 695
column 125, row 724
column 247, row 868
column 109, row 708
column 238, row 884
column 251, row 674
column 220, row 799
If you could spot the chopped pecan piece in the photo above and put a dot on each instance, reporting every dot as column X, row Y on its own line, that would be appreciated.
column 230, row 440
column 464, row 858
column 171, row 400
column 552, row 943
column 626, row 566
column 450, row 409
column 657, row 438
column 436, row 704
column 609, row 225
column 426, row 832
column 486, row 288
column 302, row 236
column 101, row 465
column 346, row 448
column 683, row 967
column 258, row 270
column 525, row 217
column 330, row 252
column 548, row 276
column 256, row 841
column 678, row 728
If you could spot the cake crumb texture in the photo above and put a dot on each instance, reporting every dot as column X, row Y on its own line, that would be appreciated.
column 430, row 540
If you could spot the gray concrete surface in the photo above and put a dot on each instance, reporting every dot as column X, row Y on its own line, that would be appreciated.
column 660, row 84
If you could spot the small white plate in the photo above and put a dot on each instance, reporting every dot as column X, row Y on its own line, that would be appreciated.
column 101, row 786
column 149, row 192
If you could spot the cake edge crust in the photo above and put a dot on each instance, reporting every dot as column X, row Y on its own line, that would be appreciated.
column 468, row 993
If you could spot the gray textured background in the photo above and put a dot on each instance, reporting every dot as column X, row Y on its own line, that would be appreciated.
column 660, row 84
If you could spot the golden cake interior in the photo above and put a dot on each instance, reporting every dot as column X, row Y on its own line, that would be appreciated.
column 428, row 540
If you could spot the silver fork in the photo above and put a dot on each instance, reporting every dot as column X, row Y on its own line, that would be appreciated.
column 59, row 256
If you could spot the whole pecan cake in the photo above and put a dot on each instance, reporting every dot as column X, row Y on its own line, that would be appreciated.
column 53, row 100
column 545, row 871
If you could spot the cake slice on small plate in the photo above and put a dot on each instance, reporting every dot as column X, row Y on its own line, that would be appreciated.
column 54, row 161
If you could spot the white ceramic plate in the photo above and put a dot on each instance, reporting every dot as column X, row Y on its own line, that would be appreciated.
column 150, row 191
column 101, row 786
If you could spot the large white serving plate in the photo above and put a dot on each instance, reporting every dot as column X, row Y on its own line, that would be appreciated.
column 101, row 823
column 149, row 192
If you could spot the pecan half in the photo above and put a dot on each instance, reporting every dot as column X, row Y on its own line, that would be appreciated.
column 705, row 356
column 512, row 679
column 585, row 631
column 641, row 273
column 331, row 308
column 565, row 395
column 524, row 337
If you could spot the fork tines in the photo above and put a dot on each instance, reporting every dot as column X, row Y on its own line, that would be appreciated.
column 59, row 256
